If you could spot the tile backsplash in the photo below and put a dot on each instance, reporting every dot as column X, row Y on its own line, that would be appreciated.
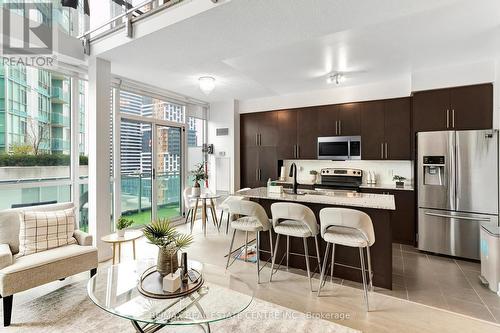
column 384, row 170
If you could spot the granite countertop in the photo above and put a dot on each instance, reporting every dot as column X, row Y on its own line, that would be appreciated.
column 336, row 198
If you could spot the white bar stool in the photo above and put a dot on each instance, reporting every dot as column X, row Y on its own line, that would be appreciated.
column 253, row 218
column 294, row 220
column 348, row 227
column 224, row 208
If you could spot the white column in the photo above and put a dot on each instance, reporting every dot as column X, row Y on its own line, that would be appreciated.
column 99, row 152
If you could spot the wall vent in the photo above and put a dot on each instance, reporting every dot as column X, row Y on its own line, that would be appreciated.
column 222, row 131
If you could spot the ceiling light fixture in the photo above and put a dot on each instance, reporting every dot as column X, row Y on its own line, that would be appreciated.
column 336, row 78
column 207, row 84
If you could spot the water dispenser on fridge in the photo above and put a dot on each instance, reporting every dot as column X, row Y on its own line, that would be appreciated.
column 434, row 170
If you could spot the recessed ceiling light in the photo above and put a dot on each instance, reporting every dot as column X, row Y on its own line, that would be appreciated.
column 336, row 78
column 207, row 84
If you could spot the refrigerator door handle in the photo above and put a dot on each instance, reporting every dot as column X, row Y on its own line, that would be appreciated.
column 482, row 219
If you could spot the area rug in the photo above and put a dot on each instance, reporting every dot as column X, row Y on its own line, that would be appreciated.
column 69, row 309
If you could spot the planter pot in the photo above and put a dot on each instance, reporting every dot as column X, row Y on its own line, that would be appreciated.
column 400, row 184
column 121, row 233
column 167, row 263
column 196, row 191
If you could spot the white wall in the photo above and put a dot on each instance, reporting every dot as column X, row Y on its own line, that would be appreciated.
column 224, row 115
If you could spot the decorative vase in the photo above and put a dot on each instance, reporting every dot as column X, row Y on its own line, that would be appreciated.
column 167, row 262
column 121, row 232
column 196, row 190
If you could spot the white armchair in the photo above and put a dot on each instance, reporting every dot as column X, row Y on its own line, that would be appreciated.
column 26, row 272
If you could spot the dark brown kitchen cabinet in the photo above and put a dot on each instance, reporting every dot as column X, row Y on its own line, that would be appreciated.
column 287, row 134
column 307, row 133
column 268, row 165
column 249, row 165
column 472, row 107
column 349, row 119
column 372, row 130
column 386, row 130
column 335, row 120
column 403, row 218
column 459, row 108
column 259, row 129
column 398, row 129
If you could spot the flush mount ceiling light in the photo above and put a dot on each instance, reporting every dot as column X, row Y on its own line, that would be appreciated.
column 207, row 84
column 336, row 78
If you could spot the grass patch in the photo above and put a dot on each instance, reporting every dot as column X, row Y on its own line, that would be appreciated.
column 144, row 217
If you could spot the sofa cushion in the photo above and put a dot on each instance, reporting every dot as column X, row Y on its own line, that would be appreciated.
column 44, row 230
column 39, row 268
column 9, row 222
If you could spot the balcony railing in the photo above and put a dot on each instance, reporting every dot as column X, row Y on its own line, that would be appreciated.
column 58, row 95
column 59, row 144
column 57, row 119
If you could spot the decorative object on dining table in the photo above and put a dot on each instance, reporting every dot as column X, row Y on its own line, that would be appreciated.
column 199, row 173
column 123, row 224
column 400, row 180
column 169, row 241
column 153, row 284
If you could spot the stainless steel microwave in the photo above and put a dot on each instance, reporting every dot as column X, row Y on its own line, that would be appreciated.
column 339, row 148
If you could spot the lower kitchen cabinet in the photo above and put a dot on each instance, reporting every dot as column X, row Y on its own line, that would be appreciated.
column 403, row 218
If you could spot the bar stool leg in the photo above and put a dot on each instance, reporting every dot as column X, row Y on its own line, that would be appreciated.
column 323, row 270
column 370, row 273
column 333, row 262
column 230, row 249
column 306, row 253
column 257, row 239
column 187, row 215
column 287, row 251
column 274, row 256
column 228, row 220
column 362, row 259
column 317, row 251
column 246, row 246
column 271, row 242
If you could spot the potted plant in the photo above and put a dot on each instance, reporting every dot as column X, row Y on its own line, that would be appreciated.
column 400, row 180
column 122, row 224
column 162, row 234
column 198, row 174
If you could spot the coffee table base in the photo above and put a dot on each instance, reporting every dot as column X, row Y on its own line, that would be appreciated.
column 151, row 328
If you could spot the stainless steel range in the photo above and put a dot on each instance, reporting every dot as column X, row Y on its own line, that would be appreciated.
column 457, row 190
column 341, row 179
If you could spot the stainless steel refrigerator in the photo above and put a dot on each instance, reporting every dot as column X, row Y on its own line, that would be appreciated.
column 457, row 190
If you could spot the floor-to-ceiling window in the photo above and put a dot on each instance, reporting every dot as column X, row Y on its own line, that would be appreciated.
column 151, row 157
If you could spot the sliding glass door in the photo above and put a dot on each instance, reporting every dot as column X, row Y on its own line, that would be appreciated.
column 168, row 171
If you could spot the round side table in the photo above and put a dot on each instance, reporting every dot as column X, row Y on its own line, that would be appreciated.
column 130, row 236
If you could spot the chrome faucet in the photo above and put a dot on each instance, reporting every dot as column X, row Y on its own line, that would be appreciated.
column 293, row 173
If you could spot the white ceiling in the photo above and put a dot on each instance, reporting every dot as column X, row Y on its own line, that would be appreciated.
column 258, row 48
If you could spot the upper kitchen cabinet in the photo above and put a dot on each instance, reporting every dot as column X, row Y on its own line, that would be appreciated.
column 472, row 107
column 460, row 108
column 259, row 129
column 287, row 134
column 328, row 120
column 349, row 119
column 307, row 133
column 343, row 119
column 397, row 125
column 386, row 130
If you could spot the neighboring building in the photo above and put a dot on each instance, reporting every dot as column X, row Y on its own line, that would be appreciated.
column 34, row 105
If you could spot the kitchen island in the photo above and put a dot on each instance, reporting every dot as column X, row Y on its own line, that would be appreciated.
column 347, row 263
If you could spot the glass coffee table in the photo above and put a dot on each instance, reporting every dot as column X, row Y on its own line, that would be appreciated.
column 222, row 296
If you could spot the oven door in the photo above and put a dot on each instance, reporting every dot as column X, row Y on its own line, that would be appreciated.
column 333, row 148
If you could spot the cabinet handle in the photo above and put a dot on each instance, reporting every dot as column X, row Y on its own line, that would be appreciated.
column 260, row 174
column 336, row 127
column 453, row 118
column 340, row 127
column 298, row 151
column 386, row 153
column 257, row 174
column 447, row 118
column 256, row 139
column 381, row 150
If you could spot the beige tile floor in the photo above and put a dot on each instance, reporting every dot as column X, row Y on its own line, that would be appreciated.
column 291, row 289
